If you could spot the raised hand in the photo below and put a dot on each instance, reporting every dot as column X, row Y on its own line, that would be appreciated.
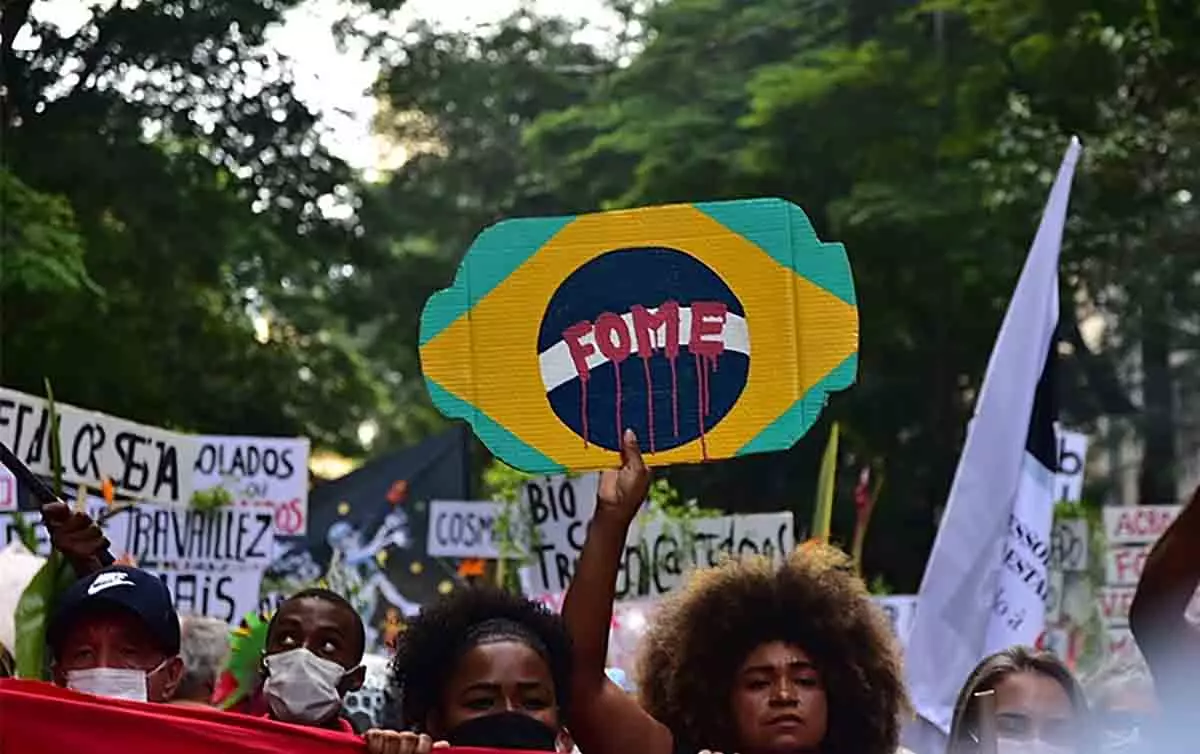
column 76, row 536
column 622, row 491
column 400, row 742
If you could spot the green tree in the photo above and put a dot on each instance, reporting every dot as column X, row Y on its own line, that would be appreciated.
column 160, row 152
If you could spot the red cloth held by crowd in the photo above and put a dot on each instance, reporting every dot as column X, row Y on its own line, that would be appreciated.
column 38, row 718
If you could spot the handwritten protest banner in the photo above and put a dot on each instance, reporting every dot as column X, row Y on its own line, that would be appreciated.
column 145, row 463
column 465, row 529
column 213, row 563
column 1069, row 545
column 156, row 466
column 1114, row 605
column 1137, row 524
column 657, row 554
column 260, row 472
column 1123, row 565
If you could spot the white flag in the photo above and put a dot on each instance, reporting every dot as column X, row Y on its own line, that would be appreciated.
column 985, row 582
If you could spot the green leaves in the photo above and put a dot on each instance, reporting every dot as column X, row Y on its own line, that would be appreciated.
column 36, row 606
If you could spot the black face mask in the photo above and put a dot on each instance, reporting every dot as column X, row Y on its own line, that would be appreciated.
column 505, row 730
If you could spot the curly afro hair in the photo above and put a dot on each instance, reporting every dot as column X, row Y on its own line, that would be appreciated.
column 431, row 645
column 702, row 634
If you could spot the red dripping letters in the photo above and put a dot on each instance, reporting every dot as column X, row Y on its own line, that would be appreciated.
column 651, row 331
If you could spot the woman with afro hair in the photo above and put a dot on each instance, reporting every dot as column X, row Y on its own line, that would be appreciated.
column 746, row 658
column 484, row 667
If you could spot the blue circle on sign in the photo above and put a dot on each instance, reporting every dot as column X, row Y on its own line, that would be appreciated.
column 612, row 320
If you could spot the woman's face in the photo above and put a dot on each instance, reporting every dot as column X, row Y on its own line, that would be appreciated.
column 779, row 703
column 1031, row 707
column 504, row 676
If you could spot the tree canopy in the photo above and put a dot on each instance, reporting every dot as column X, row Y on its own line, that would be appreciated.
column 174, row 250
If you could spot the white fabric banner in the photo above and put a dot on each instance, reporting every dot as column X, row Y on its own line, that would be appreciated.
column 985, row 582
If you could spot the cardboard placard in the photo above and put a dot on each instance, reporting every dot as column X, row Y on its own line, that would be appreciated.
column 646, row 319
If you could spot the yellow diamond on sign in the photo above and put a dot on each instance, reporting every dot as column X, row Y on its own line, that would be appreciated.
column 712, row 330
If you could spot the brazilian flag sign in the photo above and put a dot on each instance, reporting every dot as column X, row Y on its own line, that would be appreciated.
column 712, row 330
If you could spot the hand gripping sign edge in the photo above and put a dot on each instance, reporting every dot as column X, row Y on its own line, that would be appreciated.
column 480, row 337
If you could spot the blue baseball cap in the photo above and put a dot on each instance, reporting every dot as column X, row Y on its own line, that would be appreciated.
column 138, row 592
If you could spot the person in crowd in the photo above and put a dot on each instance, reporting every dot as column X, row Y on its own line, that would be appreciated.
column 484, row 667
column 313, row 655
column 1039, row 708
column 115, row 633
column 1124, row 703
column 1168, row 641
column 203, row 646
column 743, row 659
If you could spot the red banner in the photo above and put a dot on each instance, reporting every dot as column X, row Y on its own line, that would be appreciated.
column 37, row 718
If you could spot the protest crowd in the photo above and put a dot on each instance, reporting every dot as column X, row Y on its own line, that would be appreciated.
column 747, row 657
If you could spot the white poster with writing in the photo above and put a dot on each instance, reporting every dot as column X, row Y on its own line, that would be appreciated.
column 1114, row 605
column 268, row 473
column 8, row 490
column 1072, row 462
column 1123, row 565
column 466, row 529
column 157, row 466
column 658, row 553
column 1069, row 545
column 212, row 563
column 1137, row 524
column 144, row 463
column 900, row 610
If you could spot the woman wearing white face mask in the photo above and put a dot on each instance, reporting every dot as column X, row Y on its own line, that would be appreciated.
column 116, row 634
column 1039, row 706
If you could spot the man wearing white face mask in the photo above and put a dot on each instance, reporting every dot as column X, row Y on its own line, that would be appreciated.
column 115, row 633
column 313, row 657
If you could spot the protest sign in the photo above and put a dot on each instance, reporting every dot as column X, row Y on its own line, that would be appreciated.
column 144, row 463
column 227, row 595
column 153, row 465
column 1114, row 605
column 260, row 472
column 465, row 530
column 1120, row 641
column 559, row 508
column 900, row 610
column 1069, row 545
column 213, row 563
column 643, row 319
column 657, row 552
column 1055, row 595
column 1137, row 524
column 1123, row 565
column 8, row 490
column 221, row 539
column 1072, row 461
